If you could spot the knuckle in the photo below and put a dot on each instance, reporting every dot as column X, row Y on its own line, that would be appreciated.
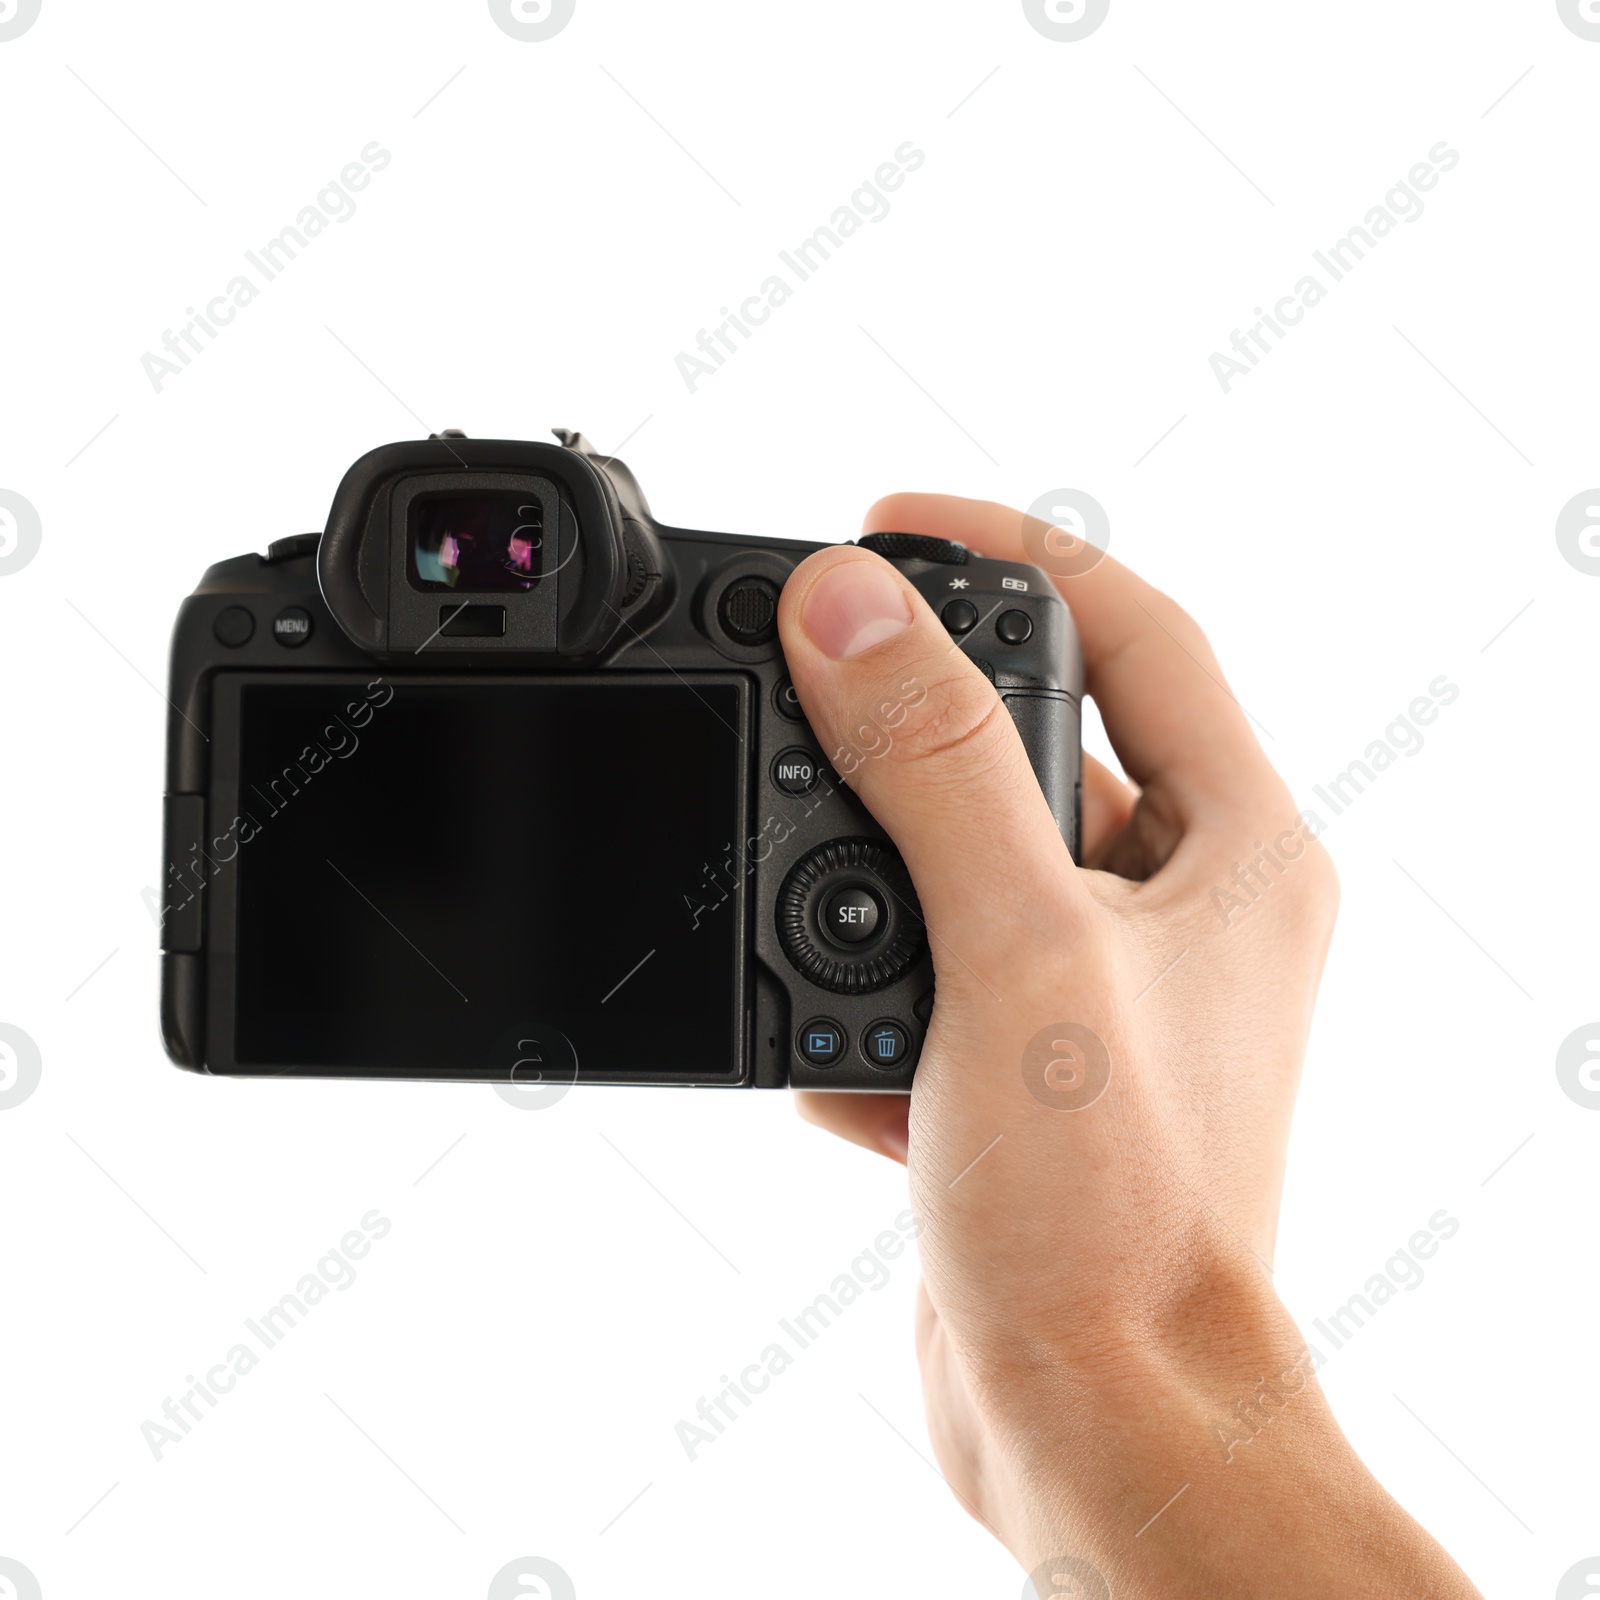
column 1178, row 628
column 1285, row 885
column 1177, row 621
column 1320, row 891
column 958, row 724
column 1310, row 894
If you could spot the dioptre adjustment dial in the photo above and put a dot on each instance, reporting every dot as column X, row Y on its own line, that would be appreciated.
column 848, row 917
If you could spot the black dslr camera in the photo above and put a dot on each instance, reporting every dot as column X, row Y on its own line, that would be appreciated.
column 498, row 779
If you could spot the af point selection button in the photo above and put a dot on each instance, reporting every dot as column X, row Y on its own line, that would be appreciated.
column 851, row 916
column 292, row 626
column 1014, row 627
column 796, row 771
column 821, row 1041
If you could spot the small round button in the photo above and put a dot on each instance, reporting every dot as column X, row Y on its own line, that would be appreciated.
column 959, row 616
column 749, row 610
column 885, row 1045
column 292, row 626
column 796, row 771
column 851, row 916
column 1014, row 627
column 233, row 627
column 788, row 702
column 821, row 1041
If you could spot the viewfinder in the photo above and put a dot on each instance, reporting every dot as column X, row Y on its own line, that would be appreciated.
column 477, row 543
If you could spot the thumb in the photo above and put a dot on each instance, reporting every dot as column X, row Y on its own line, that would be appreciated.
column 923, row 738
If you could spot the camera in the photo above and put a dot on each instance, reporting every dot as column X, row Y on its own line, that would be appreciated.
column 499, row 779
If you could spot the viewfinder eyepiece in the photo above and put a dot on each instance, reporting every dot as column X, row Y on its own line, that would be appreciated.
column 477, row 542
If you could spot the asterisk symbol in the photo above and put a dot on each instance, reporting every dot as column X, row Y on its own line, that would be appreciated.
column 958, row 583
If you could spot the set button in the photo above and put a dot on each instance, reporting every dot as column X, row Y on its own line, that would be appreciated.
column 851, row 916
column 821, row 1042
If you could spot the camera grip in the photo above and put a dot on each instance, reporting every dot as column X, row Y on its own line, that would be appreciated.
column 1048, row 721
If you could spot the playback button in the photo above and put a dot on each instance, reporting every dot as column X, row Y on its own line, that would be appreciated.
column 821, row 1042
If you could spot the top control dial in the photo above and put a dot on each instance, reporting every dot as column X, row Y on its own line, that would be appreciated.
column 916, row 547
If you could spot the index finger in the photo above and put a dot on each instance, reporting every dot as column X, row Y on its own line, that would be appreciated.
column 1175, row 724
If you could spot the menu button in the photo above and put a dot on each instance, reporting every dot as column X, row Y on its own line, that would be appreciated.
column 292, row 626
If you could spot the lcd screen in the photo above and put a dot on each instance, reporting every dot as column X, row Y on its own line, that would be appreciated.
column 437, row 873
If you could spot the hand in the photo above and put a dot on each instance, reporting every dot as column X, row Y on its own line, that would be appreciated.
column 1097, row 1133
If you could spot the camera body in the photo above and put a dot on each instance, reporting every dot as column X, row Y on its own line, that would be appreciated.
column 498, row 779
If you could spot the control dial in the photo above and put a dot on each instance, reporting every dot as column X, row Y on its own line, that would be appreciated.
column 916, row 547
column 848, row 917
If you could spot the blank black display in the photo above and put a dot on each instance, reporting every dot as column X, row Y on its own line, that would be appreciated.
column 476, row 860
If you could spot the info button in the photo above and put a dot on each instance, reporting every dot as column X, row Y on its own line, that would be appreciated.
column 796, row 771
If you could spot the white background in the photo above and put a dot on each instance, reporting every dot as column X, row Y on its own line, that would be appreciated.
column 1369, row 509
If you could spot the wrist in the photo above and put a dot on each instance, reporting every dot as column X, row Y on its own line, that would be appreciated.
column 1195, row 1454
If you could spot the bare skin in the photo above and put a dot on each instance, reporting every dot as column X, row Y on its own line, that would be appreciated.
column 1098, row 1330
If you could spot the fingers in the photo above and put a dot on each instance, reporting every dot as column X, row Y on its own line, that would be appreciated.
column 1108, row 804
column 927, row 744
column 1174, row 723
column 873, row 1121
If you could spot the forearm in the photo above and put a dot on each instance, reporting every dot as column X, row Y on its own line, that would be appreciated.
column 1215, row 1469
